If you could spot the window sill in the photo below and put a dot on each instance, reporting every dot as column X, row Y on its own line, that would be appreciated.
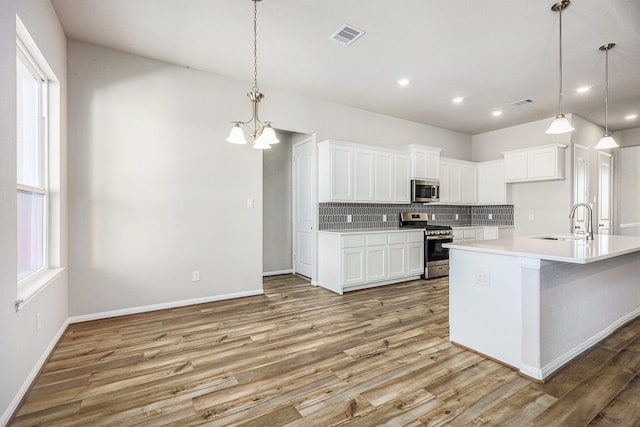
column 28, row 290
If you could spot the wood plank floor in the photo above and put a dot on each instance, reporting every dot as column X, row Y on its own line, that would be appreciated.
column 303, row 356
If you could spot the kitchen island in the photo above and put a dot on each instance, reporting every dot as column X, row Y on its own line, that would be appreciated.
column 535, row 303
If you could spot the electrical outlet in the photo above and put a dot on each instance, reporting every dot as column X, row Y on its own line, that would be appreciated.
column 384, row 218
column 250, row 203
column 38, row 322
column 349, row 218
column 483, row 278
column 433, row 217
column 195, row 276
column 530, row 217
column 490, row 216
column 457, row 216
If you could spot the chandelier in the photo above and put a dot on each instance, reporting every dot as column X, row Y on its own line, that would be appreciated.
column 262, row 133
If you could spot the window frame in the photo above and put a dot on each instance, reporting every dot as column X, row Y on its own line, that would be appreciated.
column 29, row 55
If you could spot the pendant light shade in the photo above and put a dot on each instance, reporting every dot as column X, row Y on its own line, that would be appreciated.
column 261, row 132
column 561, row 124
column 236, row 136
column 607, row 140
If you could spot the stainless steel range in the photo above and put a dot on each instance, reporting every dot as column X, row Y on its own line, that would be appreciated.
column 436, row 257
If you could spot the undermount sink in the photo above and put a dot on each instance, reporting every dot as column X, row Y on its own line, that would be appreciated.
column 560, row 237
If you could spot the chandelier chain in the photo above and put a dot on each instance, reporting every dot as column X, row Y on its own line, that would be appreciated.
column 255, row 45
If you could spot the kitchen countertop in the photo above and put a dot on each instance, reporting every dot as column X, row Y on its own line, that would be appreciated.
column 462, row 227
column 570, row 251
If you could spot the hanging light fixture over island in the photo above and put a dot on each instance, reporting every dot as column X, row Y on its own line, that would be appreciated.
column 560, row 124
column 607, row 140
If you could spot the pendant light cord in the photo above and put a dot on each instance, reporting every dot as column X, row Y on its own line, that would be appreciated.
column 560, row 89
column 606, row 91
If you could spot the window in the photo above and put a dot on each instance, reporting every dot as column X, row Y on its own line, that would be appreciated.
column 32, row 161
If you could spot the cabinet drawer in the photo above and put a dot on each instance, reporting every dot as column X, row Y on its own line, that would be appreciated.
column 468, row 233
column 458, row 234
column 353, row 241
column 397, row 238
column 376, row 239
column 415, row 237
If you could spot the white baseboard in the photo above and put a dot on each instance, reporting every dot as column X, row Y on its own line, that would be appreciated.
column 6, row 416
column 550, row 368
column 162, row 306
column 276, row 273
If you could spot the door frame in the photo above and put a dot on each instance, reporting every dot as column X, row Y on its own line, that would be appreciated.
column 314, row 201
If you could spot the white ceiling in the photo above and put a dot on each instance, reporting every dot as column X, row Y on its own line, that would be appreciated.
column 491, row 52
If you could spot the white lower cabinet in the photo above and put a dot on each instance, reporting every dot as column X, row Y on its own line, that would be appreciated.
column 349, row 261
column 469, row 234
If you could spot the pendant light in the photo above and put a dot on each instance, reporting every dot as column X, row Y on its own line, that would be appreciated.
column 607, row 140
column 561, row 124
column 262, row 133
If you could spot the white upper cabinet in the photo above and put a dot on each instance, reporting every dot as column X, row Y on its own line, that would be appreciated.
column 363, row 177
column 491, row 186
column 402, row 179
column 535, row 164
column 384, row 177
column 350, row 172
column 425, row 162
column 458, row 181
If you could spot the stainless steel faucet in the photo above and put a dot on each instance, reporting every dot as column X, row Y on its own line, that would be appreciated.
column 589, row 232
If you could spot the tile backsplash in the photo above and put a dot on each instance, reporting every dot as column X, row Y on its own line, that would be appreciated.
column 370, row 215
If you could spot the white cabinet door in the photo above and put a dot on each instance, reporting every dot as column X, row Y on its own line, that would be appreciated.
column 445, row 172
column 363, row 176
column 415, row 257
column 425, row 163
column 376, row 263
column 384, row 177
column 469, row 184
column 353, row 263
column 455, row 183
column 491, row 185
column 516, row 166
column 341, row 173
column 542, row 163
column 402, row 179
column 398, row 260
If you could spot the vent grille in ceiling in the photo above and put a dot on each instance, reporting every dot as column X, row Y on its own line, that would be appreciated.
column 347, row 35
column 523, row 102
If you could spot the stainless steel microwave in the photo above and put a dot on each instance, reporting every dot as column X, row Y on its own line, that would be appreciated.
column 425, row 191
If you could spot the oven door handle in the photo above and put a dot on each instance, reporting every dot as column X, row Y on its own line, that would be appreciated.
column 439, row 238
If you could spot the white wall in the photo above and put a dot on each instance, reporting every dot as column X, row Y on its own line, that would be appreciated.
column 547, row 201
column 23, row 348
column 277, row 251
column 156, row 192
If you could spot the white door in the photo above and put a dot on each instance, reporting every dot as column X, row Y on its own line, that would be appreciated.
column 580, row 186
column 402, row 178
column 376, row 263
column 303, row 209
column 384, row 177
column 605, row 172
column 363, row 175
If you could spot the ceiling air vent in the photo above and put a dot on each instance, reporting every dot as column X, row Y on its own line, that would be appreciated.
column 522, row 102
column 346, row 35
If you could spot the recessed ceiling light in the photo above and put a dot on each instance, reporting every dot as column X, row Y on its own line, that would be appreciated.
column 404, row 82
column 497, row 113
column 457, row 100
column 631, row 117
column 583, row 89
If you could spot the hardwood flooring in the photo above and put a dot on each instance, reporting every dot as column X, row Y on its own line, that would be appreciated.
column 303, row 356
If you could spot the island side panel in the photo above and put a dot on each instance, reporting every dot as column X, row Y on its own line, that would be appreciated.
column 583, row 304
column 485, row 310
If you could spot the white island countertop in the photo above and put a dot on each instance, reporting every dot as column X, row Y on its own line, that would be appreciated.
column 574, row 250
